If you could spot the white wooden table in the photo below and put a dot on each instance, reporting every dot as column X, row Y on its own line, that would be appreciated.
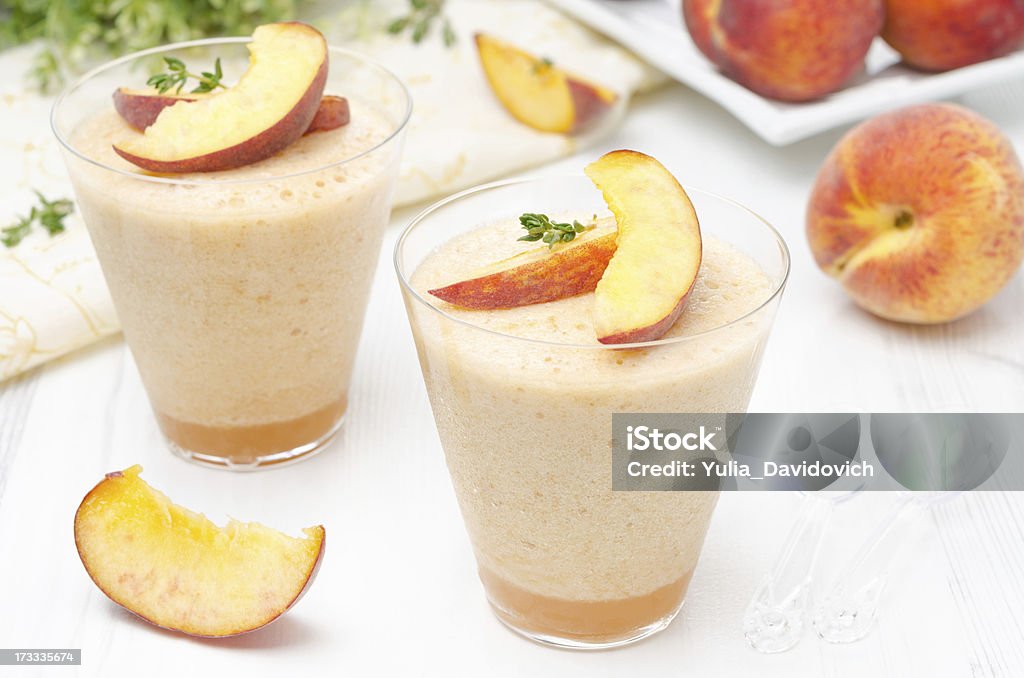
column 397, row 594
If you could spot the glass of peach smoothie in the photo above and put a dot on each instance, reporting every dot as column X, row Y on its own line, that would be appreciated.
column 523, row 399
column 242, row 290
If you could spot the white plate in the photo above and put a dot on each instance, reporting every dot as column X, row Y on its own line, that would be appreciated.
column 654, row 30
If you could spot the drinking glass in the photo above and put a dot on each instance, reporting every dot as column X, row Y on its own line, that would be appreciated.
column 242, row 292
column 526, row 428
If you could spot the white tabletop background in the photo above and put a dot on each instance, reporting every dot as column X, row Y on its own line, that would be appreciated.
column 397, row 594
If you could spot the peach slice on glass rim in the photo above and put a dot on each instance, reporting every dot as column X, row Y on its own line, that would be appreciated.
column 539, row 275
column 270, row 107
column 658, row 254
column 140, row 108
column 176, row 569
column 538, row 93
column 332, row 113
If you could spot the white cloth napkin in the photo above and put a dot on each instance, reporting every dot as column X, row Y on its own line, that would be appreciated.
column 52, row 295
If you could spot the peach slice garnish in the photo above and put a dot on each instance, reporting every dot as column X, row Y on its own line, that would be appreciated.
column 332, row 113
column 538, row 93
column 658, row 255
column 537, row 276
column 141, row 107
column 270, row 107
column 176, row 569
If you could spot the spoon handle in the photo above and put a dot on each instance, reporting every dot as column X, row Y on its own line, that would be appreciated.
column 774, row 620
column 848, row 611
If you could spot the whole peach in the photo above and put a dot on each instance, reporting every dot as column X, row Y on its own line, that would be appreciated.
column 937, row 35
column 794, row 50
column 919, row 213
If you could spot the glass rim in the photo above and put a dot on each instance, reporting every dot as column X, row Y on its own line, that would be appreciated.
column 163, row 179
column 775, row 293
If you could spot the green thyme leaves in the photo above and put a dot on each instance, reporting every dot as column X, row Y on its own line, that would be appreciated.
column 177, row 75
column 540, row 227
column 49, row 214
column 422, row 15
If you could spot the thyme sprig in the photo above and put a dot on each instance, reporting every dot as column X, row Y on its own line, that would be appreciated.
column 540, row 227
column 49, row 214
column 422, row 14
column 178, row 74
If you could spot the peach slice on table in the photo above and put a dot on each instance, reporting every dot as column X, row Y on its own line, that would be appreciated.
column 538, row 93
column 176, row 569
column 140, row 108
column 658, row 254
column 270, row 107
column 538, row 276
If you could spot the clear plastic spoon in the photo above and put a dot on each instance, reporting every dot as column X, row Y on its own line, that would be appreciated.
column 774, row 620
column 850, row 609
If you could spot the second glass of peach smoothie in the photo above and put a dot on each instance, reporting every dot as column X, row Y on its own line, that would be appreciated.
column 239, row 233
column 525, row 363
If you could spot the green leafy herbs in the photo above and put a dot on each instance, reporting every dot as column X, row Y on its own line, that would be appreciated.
column 422, row 15
column 77, row 33
column 49, row 214
column 178, row 74
column 540, row 227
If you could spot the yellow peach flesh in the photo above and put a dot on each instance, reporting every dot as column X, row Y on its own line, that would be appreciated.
column 645, row 286
column 271, row 106
column 176, row 569
column 538, row 93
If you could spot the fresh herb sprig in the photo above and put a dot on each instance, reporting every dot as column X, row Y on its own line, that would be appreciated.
column 422, row 14
column 49, row 214
column 178, row 74
column 540, row 227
